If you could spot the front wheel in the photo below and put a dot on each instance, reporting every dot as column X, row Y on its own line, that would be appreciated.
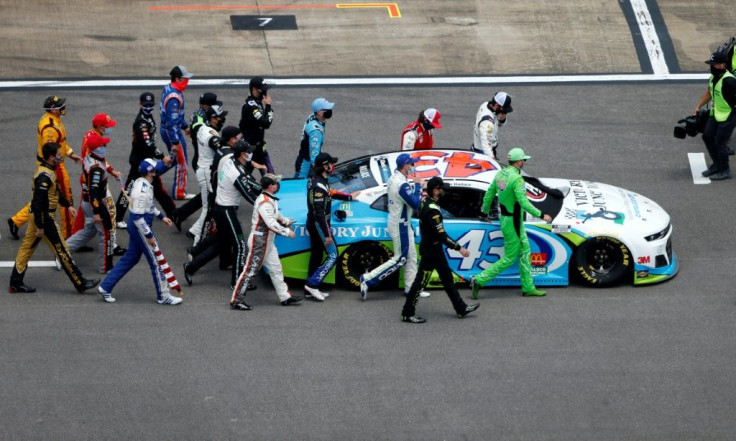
column 361, row 258
column 602, row 261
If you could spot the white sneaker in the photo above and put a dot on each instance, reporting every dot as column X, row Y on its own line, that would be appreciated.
column 309, row 296
column 363, row 287
column 106, row 296
column 188, row 196
column 122, row 225
column 315, row 293
column 58, row 265
column 424, row 294
column 168, row 299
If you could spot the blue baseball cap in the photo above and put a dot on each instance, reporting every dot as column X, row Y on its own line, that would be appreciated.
column 321, row 104
column 404, row 159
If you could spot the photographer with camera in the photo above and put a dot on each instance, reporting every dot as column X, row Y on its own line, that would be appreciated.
column 722, row 120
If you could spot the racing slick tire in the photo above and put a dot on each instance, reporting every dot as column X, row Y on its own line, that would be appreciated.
column 602, row 261
column 360, row 258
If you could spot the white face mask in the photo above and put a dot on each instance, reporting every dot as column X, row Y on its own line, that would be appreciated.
column 412, row 169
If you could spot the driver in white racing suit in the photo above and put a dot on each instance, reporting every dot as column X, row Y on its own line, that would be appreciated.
column 403, row 199
column 266, row 222
column 490, row 117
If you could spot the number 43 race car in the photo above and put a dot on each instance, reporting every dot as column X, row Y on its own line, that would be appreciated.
column 600, row 234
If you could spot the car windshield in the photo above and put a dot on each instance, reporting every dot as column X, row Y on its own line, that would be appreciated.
column 353, row 175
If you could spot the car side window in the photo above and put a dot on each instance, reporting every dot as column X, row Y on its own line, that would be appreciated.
column 462, row 202
column 351, row 176
column 381, row 203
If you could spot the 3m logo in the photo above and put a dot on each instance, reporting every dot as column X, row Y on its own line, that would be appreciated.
column 539, row 259
column 643, row 259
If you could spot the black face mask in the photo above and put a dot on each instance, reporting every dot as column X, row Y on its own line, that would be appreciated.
column 427, row 124
column 148, row 111
column 327, row 114
column 715, row 71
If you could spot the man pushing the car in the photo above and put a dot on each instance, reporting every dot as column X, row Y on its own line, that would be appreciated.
column 512, row 199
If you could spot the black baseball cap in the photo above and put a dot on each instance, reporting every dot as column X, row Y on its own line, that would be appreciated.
column 324, row 158
column 208, row 98
column 147, row 99
column 436, row 182
column 258, row 83
column 228, row 133
column 242, row 146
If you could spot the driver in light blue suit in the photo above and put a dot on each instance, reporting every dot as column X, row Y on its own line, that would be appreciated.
column 313, row 136
column 403, row 199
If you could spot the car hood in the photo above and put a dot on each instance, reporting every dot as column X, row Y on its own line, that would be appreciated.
column 604, row 206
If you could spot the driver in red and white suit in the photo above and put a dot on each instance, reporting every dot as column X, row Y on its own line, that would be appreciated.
column 418, row 135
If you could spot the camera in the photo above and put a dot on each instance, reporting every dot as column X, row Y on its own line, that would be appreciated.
column 693, row 124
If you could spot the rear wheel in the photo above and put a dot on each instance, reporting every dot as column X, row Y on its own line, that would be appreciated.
column 602, row 261
column 361, row 258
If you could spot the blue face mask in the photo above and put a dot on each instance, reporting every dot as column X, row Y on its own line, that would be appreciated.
column 412, row 170
column 108, row 130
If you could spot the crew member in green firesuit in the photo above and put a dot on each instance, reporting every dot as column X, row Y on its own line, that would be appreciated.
column 511, row 190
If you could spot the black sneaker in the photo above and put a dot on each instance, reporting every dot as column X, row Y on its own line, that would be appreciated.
column 710, row 171
column 20, row 288
column 187, row 275
column 721, row 175
column 87, row 284
column 13, row 229
column 85, row 249
column 291, row 300
column 119, row 251
column 241, row 306
column 468, row 310
column 413, row 319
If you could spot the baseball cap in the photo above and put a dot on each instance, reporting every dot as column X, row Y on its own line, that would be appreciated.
column 147, row 99
column 503, row 99
column 258, row 83
column 517, row 154
column 208, row 98
column 243, row 146
column 146, row 166
column 323, row 158
column 433, row 115
column 228, row 133
column 94, row 140
column 103, row 120
column 404, row 159
column 717, row 57
column 269, row 179
column 54, row 102
column 436, row 182
column 321, row 104
column 180, row 72
column 215, row 111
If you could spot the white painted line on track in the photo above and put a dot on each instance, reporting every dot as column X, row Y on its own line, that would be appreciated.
column 32, row 263
column 361, row 81
column 697, row 167
column 650, row 37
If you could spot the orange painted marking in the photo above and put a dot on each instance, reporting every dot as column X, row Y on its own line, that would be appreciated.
column 393, row 8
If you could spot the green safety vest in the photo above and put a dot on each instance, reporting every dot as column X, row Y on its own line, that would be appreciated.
column 721, row 109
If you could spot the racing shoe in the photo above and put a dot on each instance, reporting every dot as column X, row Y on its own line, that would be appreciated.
column 413, row 319
column 721, row 175
column 168, row 299
column 291, row 300
column 241, row 306
column 106, row 296
column 363, row 287
column 121, row 225
column 87, row 284
column 20, row 288
column 422, row 294
column 315, row 293
column 475, row 287
column 709, row 171
column 85, row 249
column 176, row 221
column 468, row 309
column 188, row 274
column 118, row 250
column 534, row 293
column 13, row 229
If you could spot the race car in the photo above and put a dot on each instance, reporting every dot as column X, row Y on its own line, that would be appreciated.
column 600, row 235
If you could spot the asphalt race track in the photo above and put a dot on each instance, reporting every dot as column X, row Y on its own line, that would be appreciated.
column 624, row 363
